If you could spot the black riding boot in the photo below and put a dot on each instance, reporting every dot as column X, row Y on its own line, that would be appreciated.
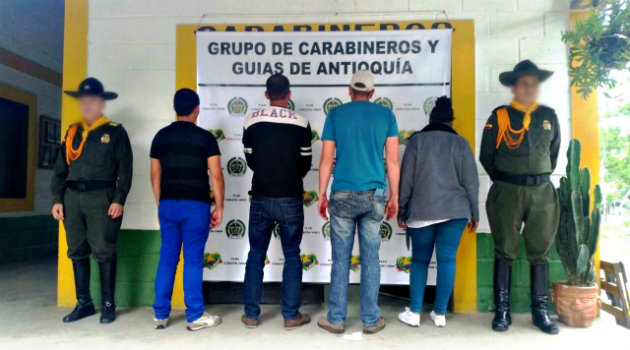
column 84, row 307
column 108, row 282
column 502, row 277
column 539, row 275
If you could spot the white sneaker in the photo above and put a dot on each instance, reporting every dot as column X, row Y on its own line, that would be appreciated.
column 160, row 324
column 409, row 318
column 206, row 320
column 438, row 320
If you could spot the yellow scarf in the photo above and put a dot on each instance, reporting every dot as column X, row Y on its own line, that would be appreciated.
column 505, row 128
column 73, row 154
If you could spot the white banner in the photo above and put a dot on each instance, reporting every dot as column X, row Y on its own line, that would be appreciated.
column 411, row 69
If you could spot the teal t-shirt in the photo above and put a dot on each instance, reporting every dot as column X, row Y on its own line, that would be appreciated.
column 359, row 130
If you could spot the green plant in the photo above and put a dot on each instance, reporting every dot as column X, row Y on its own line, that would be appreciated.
column 598, row 45
column 578, row 232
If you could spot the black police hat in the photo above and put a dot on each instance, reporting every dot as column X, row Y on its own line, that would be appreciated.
column 521, row 69
column 92, row 87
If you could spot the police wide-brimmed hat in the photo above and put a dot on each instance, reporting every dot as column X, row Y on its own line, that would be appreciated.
column 521, row 69
column 92, row 87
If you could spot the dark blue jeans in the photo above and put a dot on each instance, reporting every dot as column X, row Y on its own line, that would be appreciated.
column 263, row 214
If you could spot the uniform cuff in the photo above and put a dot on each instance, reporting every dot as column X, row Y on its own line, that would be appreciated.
column 119, row 198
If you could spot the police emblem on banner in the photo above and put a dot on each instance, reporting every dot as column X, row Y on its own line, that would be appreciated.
column 428, row 104
column 276, row 230
column 308, row 261
column 237, row 106
column 326, row 230
column 308, row 198
column 212, row 260
column 331, row 103
column 403, row 264
column 291, row 105
column 403, row 136
column 385, row 102
column 386, row 231
column 314, row 136
column 218, row 134
column 235, row 229
column 236, row 166
column 355, row 263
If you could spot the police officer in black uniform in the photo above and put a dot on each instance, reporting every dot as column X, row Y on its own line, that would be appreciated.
column 92, row 177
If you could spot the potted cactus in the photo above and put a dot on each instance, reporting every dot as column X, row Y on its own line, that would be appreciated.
column 576, row 299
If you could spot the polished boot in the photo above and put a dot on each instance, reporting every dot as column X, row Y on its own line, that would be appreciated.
column 539, row 276
column 108, row 282
column 501, row 282
column 84, row 307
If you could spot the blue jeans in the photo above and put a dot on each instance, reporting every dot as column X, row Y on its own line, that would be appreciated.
column 445, row 238
column 349, row 209
column 184, row 222
column 263, row 214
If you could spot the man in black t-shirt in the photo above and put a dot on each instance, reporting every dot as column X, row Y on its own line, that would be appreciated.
column 181, row 155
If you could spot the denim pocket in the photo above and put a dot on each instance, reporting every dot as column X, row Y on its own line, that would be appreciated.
column 256, row 206
column 341, row 204
column 378, row 207
column 293, row 211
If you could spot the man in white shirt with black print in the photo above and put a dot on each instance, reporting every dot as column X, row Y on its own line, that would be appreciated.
column 277, row 147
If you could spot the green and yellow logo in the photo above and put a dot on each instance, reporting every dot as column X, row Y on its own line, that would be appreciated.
column 235, row 229
column 314, row 136
column 404, row 135
column 236, row 166
column 326, row 230
column 276, row 230
column 291, row 105
column 355, row 263
column 237, row 106
column 386, row 231
column 308, row 261
column 212, row 260
column 385, row 102
column 403, row 263
column 218, row 134
column 428, row 104
column 267, row 261
column 308, row 198
column 331, row 103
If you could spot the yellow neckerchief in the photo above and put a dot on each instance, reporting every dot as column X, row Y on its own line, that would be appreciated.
column 73, row 154
column 505, row 128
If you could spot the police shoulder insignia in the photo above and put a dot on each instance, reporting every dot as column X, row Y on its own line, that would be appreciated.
column 546, row 125
column 114, row 123
column 105, row 138
column 488, row 127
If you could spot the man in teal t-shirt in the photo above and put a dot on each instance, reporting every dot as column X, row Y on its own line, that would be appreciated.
column 358, row 131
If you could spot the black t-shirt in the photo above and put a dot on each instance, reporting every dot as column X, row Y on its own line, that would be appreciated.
column 183, row 150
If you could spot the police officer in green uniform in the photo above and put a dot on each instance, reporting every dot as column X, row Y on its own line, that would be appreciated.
column 519, row 150
column 91, row 180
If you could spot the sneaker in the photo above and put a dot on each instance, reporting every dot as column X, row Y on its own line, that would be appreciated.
column 160, row 324
column 379, row 326
column 249, row 322
column 300, row 320
column 329, row 326
column 206, row 320
column 409, row 318
column 438, row 320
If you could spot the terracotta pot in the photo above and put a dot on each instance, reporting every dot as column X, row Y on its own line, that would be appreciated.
column 577, row 306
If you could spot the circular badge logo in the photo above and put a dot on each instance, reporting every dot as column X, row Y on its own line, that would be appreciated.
column 428, row 104
column 237, row 106
column 291, row 105
column 276, row 230
column 331, row 103
column 385, row 102
column 386, row 231
column 212, row 260
column 236, row 166
column 326, row 230
column 235, row 229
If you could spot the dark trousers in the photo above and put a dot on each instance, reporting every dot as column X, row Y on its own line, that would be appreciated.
column 264, row 213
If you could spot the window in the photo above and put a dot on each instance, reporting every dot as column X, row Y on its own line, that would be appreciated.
column 13, row 148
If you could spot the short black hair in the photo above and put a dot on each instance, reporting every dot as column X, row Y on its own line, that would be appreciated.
column 185, row 101
column 278, row 86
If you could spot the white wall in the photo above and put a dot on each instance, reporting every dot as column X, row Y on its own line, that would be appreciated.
column 132, row 49
column 33, row 29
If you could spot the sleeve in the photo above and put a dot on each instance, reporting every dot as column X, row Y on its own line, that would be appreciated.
column 407, row 176
column 488, row 145
column 306, row 152
column 213, row 147
column 329, row 127
column 155, row 149
column 469, row 179
column 248, row 149
column 60, row 172
column 555, row 145
column 392, row 129
column 124, row 167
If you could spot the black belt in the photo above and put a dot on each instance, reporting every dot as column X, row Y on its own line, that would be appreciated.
column 522, row 180
column 83, row 186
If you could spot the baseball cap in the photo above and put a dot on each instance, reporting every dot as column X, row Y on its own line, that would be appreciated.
column 362, row 80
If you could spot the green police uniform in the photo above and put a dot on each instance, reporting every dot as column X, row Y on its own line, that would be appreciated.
column 521, row 192
column 87, row 186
